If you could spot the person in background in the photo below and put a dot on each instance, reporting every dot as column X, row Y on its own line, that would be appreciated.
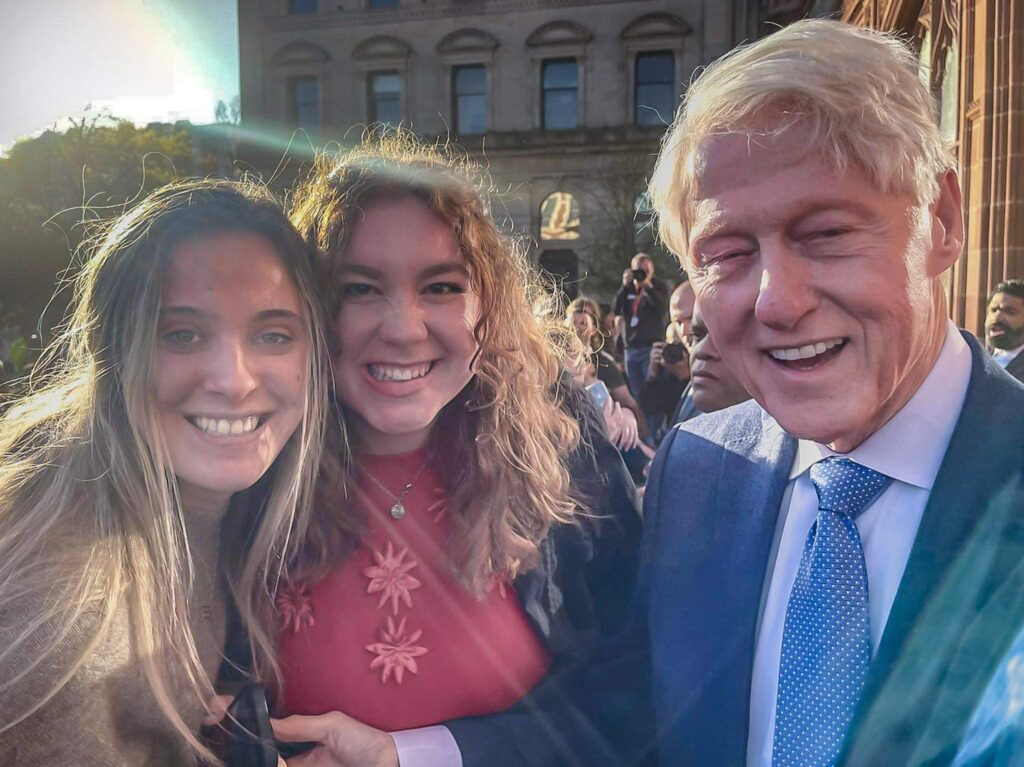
column 1004, row 326
column 712, row 385
column 623, row 417
column 640, row 307
column 667, row 378
column 680, row 309
column 484, row 533
column 613, row 339
column 190, row 368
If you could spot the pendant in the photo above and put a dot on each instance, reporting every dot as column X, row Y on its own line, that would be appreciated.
column 398, row 510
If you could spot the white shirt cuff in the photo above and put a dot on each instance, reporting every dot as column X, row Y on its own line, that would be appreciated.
column 427, row 747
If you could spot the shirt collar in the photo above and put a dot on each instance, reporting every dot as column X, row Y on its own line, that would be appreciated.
column 1000, row 354
column 910, row 446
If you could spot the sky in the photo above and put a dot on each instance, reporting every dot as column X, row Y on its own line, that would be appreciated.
column 143, row 60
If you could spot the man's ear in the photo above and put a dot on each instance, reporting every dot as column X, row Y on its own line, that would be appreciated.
column 947, row 225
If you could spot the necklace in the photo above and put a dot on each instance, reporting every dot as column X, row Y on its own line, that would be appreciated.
column 397, row 510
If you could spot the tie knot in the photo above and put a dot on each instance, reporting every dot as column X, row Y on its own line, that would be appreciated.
column 846, row 487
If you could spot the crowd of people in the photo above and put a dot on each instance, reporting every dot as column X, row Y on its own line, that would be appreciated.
column 653, row 366
column 336, row 455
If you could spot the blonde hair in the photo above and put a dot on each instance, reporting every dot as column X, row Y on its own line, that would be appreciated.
column 504, row 438
column 854, row 92
column 90, row 516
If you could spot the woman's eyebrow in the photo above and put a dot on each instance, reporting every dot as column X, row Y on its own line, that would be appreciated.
column 445, row 267
column 278, row 314
column 190, row 311
column 185, row 311
column 365, row 271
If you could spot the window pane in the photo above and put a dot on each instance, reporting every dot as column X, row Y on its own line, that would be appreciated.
column 302, row 6
column 654, row 104
column 558, row 82
column 470, row 79
column 656, row 67
column 471, row 114
column 560, row 73
column 385, row 97
column 385, row 83
column 304, row 97
column 389, row 110
column 560, row 110
column 655, row 88
column 469, row 98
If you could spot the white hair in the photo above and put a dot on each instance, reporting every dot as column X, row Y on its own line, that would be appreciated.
column 855, row 93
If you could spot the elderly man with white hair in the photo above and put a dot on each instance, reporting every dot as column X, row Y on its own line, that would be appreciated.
column 832, row 571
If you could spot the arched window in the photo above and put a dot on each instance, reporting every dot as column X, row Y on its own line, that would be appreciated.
column 559, row 217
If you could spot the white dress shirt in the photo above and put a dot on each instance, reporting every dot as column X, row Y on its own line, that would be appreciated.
column 1005, row 357
column 909, row 448
column 427, row 747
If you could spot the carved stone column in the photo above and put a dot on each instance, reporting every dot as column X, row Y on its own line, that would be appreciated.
column 987, row 37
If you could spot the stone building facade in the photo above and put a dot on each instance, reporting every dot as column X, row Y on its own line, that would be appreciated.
column 565, row 101
column 972, row 53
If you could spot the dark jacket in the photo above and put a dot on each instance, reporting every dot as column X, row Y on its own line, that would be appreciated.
column 678, row 677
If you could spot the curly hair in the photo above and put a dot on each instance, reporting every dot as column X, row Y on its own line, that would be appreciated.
column 504, row 439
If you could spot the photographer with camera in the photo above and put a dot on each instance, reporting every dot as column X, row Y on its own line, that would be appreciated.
column 669, row 369
column 640, row 308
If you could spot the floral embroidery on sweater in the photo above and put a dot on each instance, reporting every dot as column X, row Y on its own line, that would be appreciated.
column 396, row 652
column 294, row 603
column 390, row 577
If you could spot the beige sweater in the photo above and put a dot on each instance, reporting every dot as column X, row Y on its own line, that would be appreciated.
column 107, row 715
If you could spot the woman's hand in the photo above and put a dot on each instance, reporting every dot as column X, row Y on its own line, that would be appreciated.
column 612, row 412
column 630, row 436
column 343, row 741
column 622, row 427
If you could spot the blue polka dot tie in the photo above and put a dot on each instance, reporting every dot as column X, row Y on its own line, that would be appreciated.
column 826, row 643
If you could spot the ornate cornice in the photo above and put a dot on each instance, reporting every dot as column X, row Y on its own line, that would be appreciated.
column 453, row 8
column 467, row 41
column 381, row 47
column 656, row 25
column 299, row 53
column 559, row 33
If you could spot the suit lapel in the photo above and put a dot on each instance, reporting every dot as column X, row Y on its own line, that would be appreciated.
column 982, row 461
column 715, row 651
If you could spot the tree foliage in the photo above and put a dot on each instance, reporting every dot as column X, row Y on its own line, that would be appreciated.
column 52, row 186
column 616, row 225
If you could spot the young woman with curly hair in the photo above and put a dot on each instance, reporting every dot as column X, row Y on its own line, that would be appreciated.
column 486, row 531
column 191, row 368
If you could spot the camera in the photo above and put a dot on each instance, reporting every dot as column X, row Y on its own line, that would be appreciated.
column 673, row 353
column 639, row 275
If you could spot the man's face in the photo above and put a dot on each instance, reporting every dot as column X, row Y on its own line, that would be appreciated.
column 680, row 309
column 821, row 291
column 714, row 385
column 643, row 261
column 1004, row 323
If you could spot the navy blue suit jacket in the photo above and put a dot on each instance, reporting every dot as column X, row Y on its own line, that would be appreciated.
column 677, row 681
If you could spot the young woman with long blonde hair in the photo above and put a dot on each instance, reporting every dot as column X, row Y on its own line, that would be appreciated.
column 190, row 369
column 485, row 531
